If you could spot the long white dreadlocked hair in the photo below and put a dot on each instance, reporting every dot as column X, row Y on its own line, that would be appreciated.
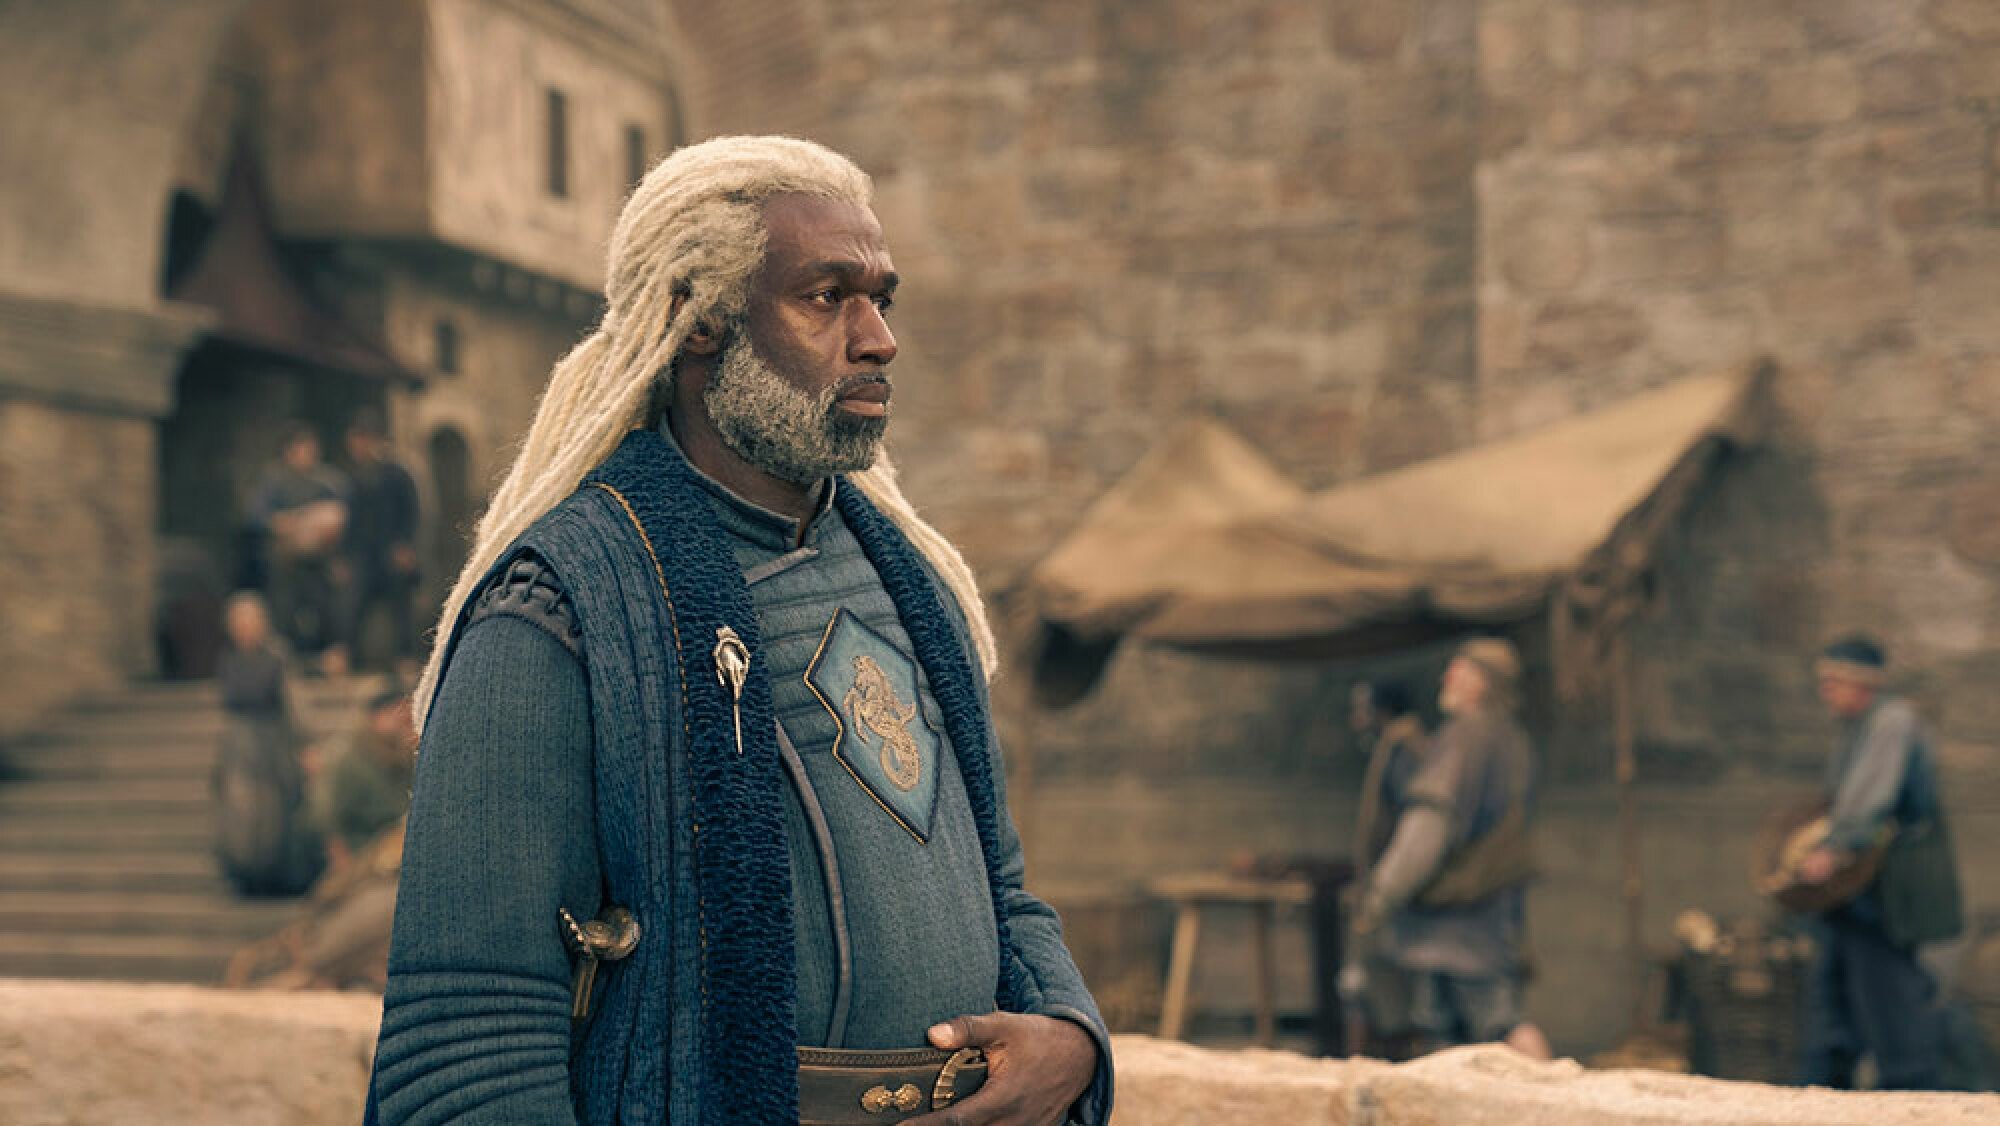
column 693, row 229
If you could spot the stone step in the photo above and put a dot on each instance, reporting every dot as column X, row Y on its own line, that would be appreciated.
column 59, row 799
column 321, row 701
column 188, row 872
column 47, row 744
column 219, row 917
column 135, row 728
column 156, row 695
column 106, row 827
column 137, row 734
column 183, row 834
column 114, row 957
column 90, row 762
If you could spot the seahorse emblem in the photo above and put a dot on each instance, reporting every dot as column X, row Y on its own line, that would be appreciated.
column 871, row 706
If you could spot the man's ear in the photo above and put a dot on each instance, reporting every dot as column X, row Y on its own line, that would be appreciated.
column 702, row 339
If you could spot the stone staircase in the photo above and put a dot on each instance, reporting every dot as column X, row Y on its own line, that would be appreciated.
column 105, row 868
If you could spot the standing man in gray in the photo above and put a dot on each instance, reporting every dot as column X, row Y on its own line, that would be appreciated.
column 1448, row 896
column 1867, row 993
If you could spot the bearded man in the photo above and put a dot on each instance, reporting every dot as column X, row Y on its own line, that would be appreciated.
column 1449, row 887
column 709, row 824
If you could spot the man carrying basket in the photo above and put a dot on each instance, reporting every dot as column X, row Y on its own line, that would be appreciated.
column 1867, row 994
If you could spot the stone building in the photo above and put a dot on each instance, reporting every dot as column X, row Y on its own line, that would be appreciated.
column 222, row 217
column 1362, row 232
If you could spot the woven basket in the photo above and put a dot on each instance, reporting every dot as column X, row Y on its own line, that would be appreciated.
column 1743, row 997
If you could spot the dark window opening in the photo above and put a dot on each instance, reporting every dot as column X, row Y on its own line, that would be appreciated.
column 558, row 144
column 635, row 154
column 446, row 347
column 189, row 222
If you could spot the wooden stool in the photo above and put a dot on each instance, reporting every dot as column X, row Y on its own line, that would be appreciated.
column 1189, row 894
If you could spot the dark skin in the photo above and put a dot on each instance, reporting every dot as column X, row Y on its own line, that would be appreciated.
column 817, row 315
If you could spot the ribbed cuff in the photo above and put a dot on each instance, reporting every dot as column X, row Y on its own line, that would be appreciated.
column 1093, row 1108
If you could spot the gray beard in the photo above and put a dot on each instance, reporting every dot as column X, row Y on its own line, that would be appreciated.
column 790, row 434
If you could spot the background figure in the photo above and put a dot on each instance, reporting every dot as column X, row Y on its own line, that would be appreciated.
column 1385, row 721
column 1451, row 884
column 377, row 561
column 262, row 838
column 300, row 513
column 1867, row 993
column 363, row 788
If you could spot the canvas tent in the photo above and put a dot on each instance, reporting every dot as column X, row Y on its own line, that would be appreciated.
column 1206, row 546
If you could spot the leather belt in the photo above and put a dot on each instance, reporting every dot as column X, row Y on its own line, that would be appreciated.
column 842, row 1087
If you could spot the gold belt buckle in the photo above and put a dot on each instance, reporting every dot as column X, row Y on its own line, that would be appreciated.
column 879, row 1099
column 946, row 1091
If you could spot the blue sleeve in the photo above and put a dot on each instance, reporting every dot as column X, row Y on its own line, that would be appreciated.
column 1866, row 797
column 1033, row 925
column 1038, row 943
column 476, row 1025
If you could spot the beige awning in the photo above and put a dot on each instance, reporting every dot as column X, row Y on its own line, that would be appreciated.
column 1206, row 545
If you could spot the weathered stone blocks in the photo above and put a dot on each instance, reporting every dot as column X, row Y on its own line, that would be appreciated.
column 81, row 1053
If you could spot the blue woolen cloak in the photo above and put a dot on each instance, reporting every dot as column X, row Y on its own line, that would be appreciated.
column 696, row 1026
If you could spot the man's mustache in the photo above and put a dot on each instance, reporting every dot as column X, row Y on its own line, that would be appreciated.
column 855, row 383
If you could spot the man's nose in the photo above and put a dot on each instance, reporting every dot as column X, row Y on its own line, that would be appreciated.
column 870, row 340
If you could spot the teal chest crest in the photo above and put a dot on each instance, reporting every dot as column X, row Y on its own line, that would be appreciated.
column 882, row 737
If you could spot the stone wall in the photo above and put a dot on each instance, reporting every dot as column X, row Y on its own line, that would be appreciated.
column 98, row 96
column 428, row 119
column 491, row 68
column 76, row 519
column 1666, row 186
column 1115, row 213
column 340, row 114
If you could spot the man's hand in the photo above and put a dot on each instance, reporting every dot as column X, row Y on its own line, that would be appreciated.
column 1366, row 912
column 1036, row 1068
column 1819, row 866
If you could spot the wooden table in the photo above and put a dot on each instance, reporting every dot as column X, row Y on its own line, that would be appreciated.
column 1190, row 894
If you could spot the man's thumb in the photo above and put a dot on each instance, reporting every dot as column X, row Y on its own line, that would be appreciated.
column 963, row 1032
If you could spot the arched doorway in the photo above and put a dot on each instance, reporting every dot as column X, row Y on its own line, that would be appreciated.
column 450, row 459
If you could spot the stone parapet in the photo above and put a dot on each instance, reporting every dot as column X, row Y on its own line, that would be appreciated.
column 76, row 1052
column 1489, row 1086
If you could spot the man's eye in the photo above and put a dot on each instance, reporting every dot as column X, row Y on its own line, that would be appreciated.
column 828, row 296
column 884, row 303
